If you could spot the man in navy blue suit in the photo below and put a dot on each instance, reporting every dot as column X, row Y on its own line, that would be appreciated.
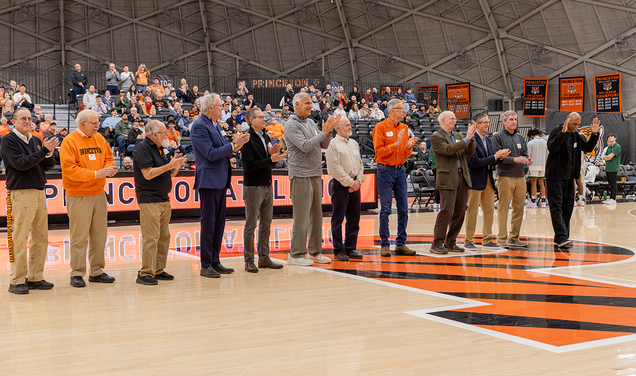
column 213, row 175
column 482, row 193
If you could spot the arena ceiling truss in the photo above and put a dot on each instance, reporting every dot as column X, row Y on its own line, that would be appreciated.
column 493, row 44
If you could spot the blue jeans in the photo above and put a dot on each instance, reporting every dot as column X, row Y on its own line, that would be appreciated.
column 79, row 90
column 114, row 89
column 392, row 182
column 131, row 148
column 141, row 88
column 120, row 142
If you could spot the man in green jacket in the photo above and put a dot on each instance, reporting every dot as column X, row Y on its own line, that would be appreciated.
column 121, row 132
column 453, row 181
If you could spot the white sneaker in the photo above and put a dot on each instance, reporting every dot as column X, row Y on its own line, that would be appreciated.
column 435, row 206
column 300, row 261
column 531, row 205
column 580, row 203
column 320, row 258
column 544, row 204
column 609, row 201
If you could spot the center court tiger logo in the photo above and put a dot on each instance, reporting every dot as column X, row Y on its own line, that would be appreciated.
column 517, row 295
column 607, row 86
column 535, row 90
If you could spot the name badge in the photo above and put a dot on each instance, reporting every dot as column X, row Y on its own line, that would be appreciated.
column 575, row 145
column 269, row 144
column 92, row 157
column 518, row 146
column 389, row 134
column 356, row 152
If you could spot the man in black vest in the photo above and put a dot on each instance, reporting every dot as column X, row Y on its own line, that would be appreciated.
column 26, row 159
column 258, row 157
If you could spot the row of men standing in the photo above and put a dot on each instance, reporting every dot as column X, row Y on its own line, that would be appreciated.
column 475, row 157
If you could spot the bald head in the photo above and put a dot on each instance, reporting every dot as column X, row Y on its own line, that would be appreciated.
column 344, row 128
column 574, row 120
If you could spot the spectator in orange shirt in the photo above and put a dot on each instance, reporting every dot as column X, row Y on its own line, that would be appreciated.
column 276, row 127
column 157, row 88
column 392, row 146
column 141, row 76
column 34, row 132
column 4, row 126
column 172, row 133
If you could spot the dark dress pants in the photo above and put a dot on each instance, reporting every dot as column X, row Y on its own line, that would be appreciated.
column 345, row 204
column 612, row 178
column 561, row 203
column 451, row 214
column 212, row 224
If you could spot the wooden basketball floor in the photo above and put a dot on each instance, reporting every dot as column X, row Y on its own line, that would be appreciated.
column 538, row 311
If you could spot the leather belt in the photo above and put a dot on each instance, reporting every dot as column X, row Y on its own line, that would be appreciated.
column 397, row 167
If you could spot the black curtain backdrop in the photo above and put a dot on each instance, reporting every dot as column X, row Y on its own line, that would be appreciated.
column 610, row 123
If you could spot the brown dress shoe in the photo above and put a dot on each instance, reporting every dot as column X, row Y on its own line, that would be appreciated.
column 438, row 250
column 250, row 267
column 268, row 263
column 404, row 250
column 385, row 252
column 453, row 248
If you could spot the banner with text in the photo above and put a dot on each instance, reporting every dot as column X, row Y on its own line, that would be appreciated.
column 120, row 193
column 458, row 97
column 426, row 93
column 535, row 96
column 607, row 93
column 571, row 93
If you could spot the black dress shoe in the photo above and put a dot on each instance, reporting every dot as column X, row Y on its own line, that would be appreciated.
column 222, row 269
column 146, row 280
column 102, row 278
column 209, row 272
column 250, row 267
column 341, row 256
column 354, row 254
column 19, row 289
column 438, row 250
column 164, row 276
column 78, row 281
column 38, row 285
column 268, row 263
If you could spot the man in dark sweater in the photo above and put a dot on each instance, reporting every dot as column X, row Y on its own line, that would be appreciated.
column 153, row 174
column 27, row 159
column 562, row 168
column 258, row 158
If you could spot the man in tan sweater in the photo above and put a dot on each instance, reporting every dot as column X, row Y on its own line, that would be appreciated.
column 87, row 161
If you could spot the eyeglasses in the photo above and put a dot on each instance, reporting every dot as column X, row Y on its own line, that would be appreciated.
column 164, row 133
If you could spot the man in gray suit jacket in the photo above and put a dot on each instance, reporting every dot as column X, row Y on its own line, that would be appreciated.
column 453, row 180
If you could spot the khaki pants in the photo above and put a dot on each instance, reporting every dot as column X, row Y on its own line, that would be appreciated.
column 154, row 218
column 27, row 208
column 510, row 189
column 306, row 195
column 88, row 225
column 486, row 199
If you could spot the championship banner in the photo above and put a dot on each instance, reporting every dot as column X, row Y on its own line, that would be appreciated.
column 426, row 93
column 607, row 93
column 458, row 97
column 120, row 193
column 571, row 93
column 281, row 83
column 535, row 97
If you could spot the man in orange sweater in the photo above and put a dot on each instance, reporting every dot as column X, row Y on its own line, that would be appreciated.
column 392, row 146
column 87, row 161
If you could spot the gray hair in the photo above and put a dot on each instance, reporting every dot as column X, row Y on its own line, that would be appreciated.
column 392, row 103
column 84, row 116
column 299, row 97
column 251, row 114
column 343, row 121
column 507, row 114
column 445, row 114
column 152, row 127
column 208, row 101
